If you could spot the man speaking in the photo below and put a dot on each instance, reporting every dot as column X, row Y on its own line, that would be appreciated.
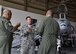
column 6, row 32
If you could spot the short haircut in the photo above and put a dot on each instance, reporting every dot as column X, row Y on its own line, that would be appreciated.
column 50, row 10
column 28, row 17
column 7, row 10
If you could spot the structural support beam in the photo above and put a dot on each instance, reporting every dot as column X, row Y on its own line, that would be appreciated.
column 46, row 4
column 29, row 4
column 69, row 4
column 0, row 2
column 14, row 2
column 26, row 5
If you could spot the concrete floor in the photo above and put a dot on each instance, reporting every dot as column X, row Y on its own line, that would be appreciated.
column 69, row 51
column 64, row 51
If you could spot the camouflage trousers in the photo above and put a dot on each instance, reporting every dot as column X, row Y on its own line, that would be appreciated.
column 26, row 47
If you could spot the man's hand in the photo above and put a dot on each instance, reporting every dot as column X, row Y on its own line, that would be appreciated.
column 28, row 30
column 18, row 25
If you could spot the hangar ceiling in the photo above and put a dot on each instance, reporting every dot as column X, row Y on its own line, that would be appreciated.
column 40, row 6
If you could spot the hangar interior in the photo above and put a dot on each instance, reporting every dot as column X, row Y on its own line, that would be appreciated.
column 37, row 9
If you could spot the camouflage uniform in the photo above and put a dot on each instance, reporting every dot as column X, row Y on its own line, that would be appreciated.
column 28, row 43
